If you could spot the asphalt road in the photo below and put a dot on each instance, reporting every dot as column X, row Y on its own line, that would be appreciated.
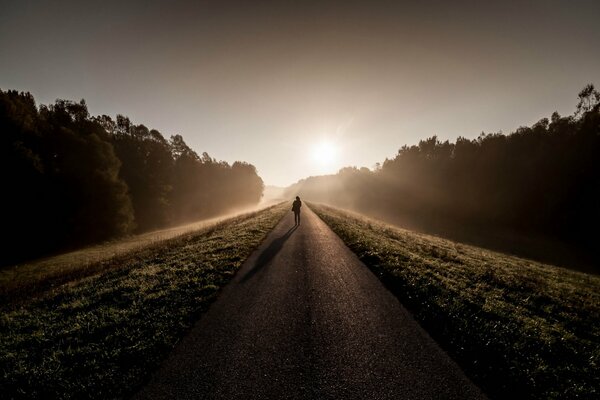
column 305, row 319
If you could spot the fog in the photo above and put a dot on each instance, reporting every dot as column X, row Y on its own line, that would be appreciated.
column 73, row 179
column 532, row 193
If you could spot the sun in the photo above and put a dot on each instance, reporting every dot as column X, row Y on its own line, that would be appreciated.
column 324, row 153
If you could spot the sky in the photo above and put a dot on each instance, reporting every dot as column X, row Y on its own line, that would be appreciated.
column 302, row 88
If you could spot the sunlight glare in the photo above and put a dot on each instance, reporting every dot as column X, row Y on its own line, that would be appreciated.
column 324, row 153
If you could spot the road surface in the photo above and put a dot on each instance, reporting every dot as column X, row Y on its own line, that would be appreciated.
column 305, row 319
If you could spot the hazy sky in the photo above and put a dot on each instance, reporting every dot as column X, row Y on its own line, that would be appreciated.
column 267, row 82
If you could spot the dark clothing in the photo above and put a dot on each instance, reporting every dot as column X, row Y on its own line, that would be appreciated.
column 296, row 209
column 296, row 206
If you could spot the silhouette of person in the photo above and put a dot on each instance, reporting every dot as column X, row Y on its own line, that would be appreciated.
column 296, row 209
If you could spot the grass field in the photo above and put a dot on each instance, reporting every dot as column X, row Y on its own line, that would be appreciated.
column 30, row 277
column 518, row 328
column 100, row 336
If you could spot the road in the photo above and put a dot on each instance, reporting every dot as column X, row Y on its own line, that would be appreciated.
column 305, row 319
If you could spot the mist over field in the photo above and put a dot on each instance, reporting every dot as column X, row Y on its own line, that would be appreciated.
column 533, row 192
column 73, row 179
column 78, row 180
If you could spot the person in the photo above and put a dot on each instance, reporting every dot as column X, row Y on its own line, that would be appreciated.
column 296, row 209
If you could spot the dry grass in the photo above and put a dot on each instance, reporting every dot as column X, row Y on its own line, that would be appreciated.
column 100, row 336
column 517, row 327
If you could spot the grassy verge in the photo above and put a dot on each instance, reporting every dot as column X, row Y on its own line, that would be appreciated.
column 518, row 328
column 29, row 278
column 99, row 337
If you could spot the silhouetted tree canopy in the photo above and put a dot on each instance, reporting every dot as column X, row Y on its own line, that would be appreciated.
column 543, row 179
column 70, row 179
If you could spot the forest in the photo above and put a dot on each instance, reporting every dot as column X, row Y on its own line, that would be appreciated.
column 71, row 179
column 541, row 180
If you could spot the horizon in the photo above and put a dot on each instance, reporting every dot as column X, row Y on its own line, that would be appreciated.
column 306, row 90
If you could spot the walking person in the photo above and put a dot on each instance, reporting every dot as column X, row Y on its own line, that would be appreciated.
column 296, row 209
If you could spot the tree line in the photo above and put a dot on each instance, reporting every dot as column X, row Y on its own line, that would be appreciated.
column 543, row 179
column 70, row 179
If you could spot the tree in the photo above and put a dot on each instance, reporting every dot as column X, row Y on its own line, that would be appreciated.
column 70, row 179
column 589, row 99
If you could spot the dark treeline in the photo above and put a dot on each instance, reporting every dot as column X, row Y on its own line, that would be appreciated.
column 542, row 181
column 70, row 179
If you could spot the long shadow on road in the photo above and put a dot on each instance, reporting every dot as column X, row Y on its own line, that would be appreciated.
column 267, row 255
